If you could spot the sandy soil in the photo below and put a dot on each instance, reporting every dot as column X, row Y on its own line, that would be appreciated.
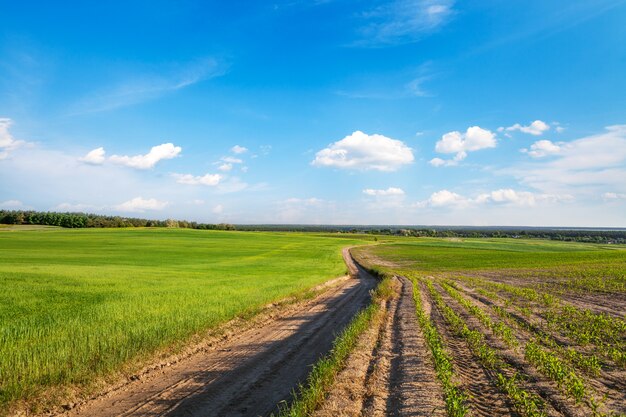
column 251, row 372
column 609, row 385
column 485, row 398
column 391, row 374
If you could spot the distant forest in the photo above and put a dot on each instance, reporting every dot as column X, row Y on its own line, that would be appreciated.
column 86, row 220
column 82, row 220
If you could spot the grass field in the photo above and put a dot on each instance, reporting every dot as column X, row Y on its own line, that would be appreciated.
column 78, row 304
column 530, row 312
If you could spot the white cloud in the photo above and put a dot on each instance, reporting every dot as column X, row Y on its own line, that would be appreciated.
column 231, row 160
column 225, row 167
column 218, row 209
column 404, row 21
column 95, row 157
column 474, row 139
column 139, row 205
column 589, row 165
column 11, row 205
column 543, row 148
column 505, row 196
column 438, row 162
column 208, row 179
column 7, row 141
column 519, row 198
column 443, row 198
column 361, row 151
column 149, row 160
column 238, row 149
column 614, row 196
column 391, row 191
column 536, row 128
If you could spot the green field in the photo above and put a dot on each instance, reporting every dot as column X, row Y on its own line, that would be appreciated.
column 524, row 309
column 78, row 304
column 575, row 264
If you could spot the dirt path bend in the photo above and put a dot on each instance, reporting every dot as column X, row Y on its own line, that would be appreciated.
column 252, row 372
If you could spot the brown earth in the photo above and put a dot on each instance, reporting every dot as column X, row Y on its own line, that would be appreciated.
column 249, row 373
column 610, row 384
column 485, row 398
column 391, row 374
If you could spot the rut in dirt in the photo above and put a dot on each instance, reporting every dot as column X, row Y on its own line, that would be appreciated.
column 252, row 372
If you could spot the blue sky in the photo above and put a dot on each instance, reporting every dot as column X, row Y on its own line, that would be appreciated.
column 344, row 112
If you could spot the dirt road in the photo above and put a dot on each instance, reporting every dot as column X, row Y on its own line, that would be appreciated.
column 249, row 374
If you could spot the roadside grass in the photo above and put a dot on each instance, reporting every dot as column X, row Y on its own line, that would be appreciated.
column 312, row 394
column 77, row 306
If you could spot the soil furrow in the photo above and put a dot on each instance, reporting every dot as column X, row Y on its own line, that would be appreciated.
column 413, row 385
column 485, row 399
column 607, row 385
column 536, row 382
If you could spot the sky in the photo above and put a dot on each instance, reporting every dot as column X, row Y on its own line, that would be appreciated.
column 422, row 112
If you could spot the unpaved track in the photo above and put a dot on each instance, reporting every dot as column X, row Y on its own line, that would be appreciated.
column 249, row 374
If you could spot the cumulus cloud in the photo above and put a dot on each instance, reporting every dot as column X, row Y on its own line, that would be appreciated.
column 536, row 128
column 474, row 139
column 404, row 21
column 443, row 198
column 543, row 148
column 149, row 160
column 140, row 204
column 505, row 196
column 7, row 141
column 218, row 209
column 207, row 179
column 391, row 191
column 95, row 157
column 225, row 167
column 360, row 151
column 238, row 149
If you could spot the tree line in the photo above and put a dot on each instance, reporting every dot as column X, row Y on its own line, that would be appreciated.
column 82, row 220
